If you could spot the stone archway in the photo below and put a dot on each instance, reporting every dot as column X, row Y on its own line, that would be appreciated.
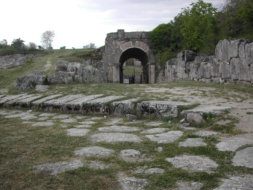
column 137, row 54
column 121, row 46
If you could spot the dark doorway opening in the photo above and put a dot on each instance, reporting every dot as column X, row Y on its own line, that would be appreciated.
column 136, row 59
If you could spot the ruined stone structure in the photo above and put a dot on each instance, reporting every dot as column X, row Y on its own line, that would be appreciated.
column 121, row 46
column 232, row 62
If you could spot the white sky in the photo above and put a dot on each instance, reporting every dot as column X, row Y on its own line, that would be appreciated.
column 79, row 22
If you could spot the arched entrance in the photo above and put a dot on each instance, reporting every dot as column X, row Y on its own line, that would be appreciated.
column 138, row 54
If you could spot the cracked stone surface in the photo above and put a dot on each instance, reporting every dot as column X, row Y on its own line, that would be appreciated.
column 232, row 143
column 83, row 126
column 154, row 124
column 204, row 133
column 192, row 142
column 43, row 118
column 47, row 114
column 150, row 171
column 244, row 158
column 132, row 183
column 168, row 137
column 97, row 165
column 94, row 151
column 118, row 129
column 70, row 120
column 114, row 121
column 43, row 124
column 62, row 116
column 193, row 163
column 130, row 155
column 88, row 122
column 77, row 132
column 115, row 137
column 237, row 183
column 155, row 130
column 59, row 167
column 189, row 186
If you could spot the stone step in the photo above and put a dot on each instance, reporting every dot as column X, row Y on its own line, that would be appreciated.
column 160, row 109
column 27, row 101
column 44, row 99
column 123, row 106
column 99, row 105
column 56, row 104
column 77, row 104
column 8, row 98
column 13, row 102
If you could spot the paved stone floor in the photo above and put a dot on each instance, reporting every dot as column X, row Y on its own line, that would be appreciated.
column 103, row 130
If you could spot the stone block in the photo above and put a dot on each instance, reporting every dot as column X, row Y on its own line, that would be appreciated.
column 29, row 81
column 249, row 53
column 159, row 108
column 221, row 50
column 224, row 70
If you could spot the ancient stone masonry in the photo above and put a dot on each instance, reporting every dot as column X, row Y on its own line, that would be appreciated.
column 232, row 62
column 121, row 46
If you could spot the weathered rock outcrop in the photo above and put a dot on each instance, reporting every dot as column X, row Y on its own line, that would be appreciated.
column 29, row 82
column 10, row 61
column 69, row 72
column 232, row 62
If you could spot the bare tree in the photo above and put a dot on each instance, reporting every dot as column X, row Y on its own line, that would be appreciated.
column 3, row 43
column 47, row 39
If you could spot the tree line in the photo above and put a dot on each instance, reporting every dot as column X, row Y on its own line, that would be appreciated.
column 200, row 26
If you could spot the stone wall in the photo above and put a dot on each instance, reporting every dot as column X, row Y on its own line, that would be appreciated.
column 232, row 62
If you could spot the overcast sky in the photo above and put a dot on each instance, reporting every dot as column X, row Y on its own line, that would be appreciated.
column 79, row 22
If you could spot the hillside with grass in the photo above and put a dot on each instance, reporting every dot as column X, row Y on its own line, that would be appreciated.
column 45, row 61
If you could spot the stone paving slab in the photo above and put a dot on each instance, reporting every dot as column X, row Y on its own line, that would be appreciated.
column 205, row 133
column 154, row 123
column 73, row 132
column 47, row 98
column 237, row 183
column 233, row 143
column 59, row 167
column 94, row 151
column 115, row 137
column 118, row 129
column 189, row 186
column 193, row 163
column 43, row 124
column 244, row 158
column 216, row 110
column 150, row 171
column 192, row 142
column 97, row 165
column 132, row 183
column 155, row 130
column 164, row 138
column 159, row 108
